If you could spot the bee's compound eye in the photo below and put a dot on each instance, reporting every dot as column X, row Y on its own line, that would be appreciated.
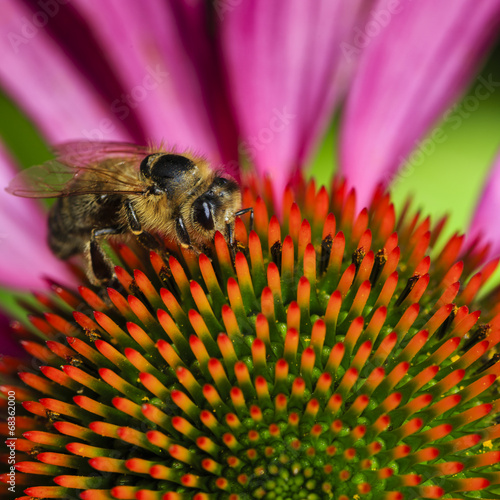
column 202, row 213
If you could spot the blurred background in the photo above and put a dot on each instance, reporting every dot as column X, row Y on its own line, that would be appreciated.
column 444, row 176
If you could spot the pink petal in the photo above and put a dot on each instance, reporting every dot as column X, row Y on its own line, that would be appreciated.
column 162, row 55
column 36, row 72
column 414, row 66
column 25, row 258
column 485, row 220
column 286, row 72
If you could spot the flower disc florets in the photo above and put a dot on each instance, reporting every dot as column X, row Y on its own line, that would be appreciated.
column 329, row 357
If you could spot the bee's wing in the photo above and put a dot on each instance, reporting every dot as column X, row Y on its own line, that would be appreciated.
column 55, row 179
column 83, row 153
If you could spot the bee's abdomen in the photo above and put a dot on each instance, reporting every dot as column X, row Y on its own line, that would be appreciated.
column 72, row 220
column 64, row 239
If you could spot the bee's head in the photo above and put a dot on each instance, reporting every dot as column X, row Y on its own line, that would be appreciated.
column 214, row 209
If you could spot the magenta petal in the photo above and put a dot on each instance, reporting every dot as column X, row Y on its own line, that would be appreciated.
column 46, row 84
column 485, row 220
column 157, row 50
column 285, row 64
column 409, row 74
column 9, row 345
column 25, row 258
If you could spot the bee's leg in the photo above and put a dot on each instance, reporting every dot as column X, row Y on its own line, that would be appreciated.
column 102, row 268
column 245, row 211
column 182, row 233
column 143, row 237
column 230, row 234
column 207, row 250
column 148, row 240
column 231, row 241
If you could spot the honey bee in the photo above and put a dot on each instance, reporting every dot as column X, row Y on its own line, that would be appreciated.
column 104, row 189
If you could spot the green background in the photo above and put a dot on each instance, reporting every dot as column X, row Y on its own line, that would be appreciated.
column 449, row 181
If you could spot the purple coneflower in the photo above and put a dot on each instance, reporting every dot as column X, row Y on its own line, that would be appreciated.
column 341, row 354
